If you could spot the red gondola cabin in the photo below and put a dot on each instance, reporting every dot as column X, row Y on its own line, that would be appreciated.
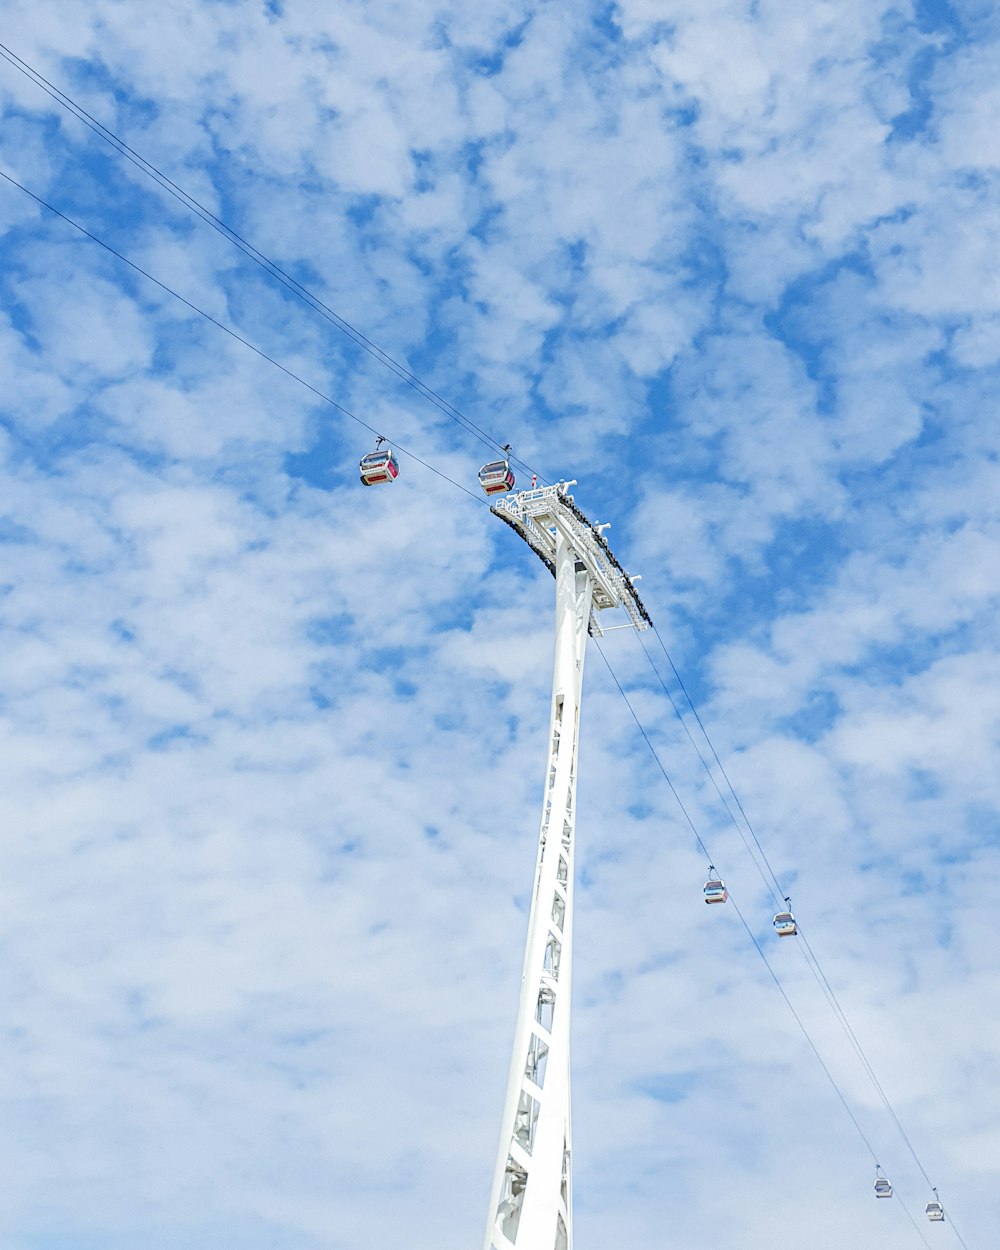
column 379, row 466
column 496, row 478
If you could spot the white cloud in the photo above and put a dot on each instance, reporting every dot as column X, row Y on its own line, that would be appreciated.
column 272, row 742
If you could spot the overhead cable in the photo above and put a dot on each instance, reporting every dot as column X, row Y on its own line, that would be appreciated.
column 269, row 266
column 777, row 891
column 752, row 936
column 327, row 399
column 426, row 464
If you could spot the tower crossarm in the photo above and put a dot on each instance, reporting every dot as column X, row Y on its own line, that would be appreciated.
column 539, row 515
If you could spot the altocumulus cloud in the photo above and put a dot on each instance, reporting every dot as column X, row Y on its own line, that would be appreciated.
column 272, row 744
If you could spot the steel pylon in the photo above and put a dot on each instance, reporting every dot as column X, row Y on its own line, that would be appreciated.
column 531, row 1197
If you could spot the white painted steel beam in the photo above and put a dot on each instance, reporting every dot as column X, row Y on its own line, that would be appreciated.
column 531, row 1197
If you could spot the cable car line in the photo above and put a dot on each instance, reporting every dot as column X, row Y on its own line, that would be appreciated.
column 412, row 455
column 258, row 257
column 770, row 879
column 757, row 946
column 812, row 960
column 771, row 883
column 234, row 335
column 773, row 886
column 704, row 849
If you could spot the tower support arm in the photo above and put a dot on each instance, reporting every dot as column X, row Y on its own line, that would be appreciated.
column 538, row 515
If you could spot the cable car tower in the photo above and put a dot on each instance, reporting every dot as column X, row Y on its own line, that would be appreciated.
column 531, row 1198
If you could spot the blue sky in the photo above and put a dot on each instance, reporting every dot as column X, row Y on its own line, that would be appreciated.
column 273, row 744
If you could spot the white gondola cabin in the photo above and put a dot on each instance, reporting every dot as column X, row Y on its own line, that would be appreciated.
column 379, row 465
column 496, row 477
column 784, row 923
column 883, row 1186
column 715, row 888
column 934, row 1210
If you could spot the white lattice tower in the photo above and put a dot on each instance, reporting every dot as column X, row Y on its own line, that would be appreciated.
column 531, row 1197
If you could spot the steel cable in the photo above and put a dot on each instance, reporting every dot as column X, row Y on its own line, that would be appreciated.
column 750, row 934
column 258, row 257
column 234, row 335
column 778, row 893
column 413, row 456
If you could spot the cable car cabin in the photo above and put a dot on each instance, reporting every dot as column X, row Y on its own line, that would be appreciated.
column 784, row 924
column 715, row 891
column 379, row 466
column 934, row 1211
column 496, row 477
column 883, row 1187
